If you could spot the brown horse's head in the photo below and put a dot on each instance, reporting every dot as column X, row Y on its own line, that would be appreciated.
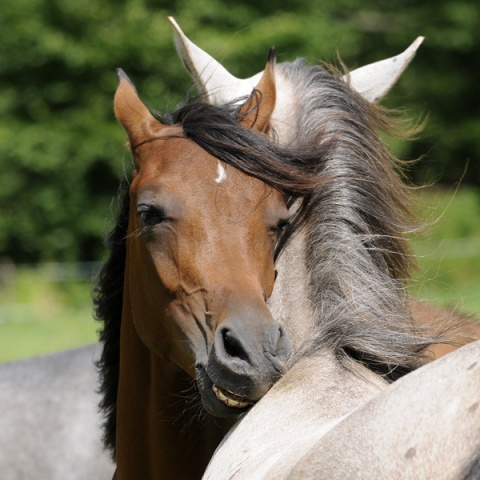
column 200, row 255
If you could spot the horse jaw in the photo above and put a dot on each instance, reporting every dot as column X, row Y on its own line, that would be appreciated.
column 219, row 86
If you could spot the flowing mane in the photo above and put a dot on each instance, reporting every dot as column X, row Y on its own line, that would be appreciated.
column 358, row 259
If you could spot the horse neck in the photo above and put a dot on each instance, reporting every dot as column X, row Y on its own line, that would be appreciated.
column 354, row 249
column 306, row 403
column 290, row 302
column 332, row 386
column 159, row 435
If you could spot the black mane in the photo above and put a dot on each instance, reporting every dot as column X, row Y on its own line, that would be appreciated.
column 292, row 170
column 108, row 299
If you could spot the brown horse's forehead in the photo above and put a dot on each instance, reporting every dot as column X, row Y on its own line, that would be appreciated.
column 178, row 159
column 178, row 166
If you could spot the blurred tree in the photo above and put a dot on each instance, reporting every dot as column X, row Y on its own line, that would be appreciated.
column 61, row 152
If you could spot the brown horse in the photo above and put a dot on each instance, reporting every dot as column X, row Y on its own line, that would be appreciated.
column 183, row 294
column 303, row 106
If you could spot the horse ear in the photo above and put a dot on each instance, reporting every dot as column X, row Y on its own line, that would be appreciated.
column 215, row 83
column 374, row 81
column 257, row 110
column 132, row 113
column 219, row 86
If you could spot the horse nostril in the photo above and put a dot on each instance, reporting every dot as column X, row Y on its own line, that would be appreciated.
column 232, row 345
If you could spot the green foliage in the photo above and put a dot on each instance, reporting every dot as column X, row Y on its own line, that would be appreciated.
column 61, row 152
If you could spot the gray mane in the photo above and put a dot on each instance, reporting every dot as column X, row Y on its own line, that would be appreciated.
column 358, row 259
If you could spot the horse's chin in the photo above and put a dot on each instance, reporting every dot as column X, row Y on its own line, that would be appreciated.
column 219, row 401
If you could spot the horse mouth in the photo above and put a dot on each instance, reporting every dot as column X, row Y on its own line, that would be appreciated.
column 231, row 399
column 220, row 401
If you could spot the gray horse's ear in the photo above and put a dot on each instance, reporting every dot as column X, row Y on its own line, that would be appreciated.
column 374, row 81
column 215, row 83
column 132, row 113
column 219, row 86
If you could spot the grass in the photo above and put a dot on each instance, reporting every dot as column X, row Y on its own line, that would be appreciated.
column 48, row 308
column 42, row 311
column 449, row 251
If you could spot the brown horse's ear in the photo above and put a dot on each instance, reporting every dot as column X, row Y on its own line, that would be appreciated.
column 132, row 113
column 257, row 110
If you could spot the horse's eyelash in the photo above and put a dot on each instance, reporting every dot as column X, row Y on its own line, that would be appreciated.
column 281, row 226
column 151, row 215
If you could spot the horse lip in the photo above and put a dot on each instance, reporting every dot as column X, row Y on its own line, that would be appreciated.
column 229, row 406
column 230, row 398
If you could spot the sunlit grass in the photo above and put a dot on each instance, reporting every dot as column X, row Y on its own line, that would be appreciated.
column 41, row 314
column 449, row 251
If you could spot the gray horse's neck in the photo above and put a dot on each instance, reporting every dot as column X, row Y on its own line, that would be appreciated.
column 290, row 303
column 312, row 397
column 334, row 420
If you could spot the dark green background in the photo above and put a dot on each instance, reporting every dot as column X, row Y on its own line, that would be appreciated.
column 62, row 153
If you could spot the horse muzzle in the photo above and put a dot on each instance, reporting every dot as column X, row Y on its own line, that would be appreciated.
column 246, row 359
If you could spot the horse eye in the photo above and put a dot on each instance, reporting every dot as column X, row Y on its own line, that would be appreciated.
column 150, row 215
column 280, row 227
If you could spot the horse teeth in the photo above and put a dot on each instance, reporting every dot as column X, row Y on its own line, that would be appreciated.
column 222, row 395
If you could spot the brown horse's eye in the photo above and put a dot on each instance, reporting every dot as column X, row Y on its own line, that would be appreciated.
column 149, row 215
column 280, row 227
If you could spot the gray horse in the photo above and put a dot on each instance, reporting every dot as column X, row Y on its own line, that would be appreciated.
column 305, row 104
column 49, row 422
column 329, row 416
column 323, row 421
